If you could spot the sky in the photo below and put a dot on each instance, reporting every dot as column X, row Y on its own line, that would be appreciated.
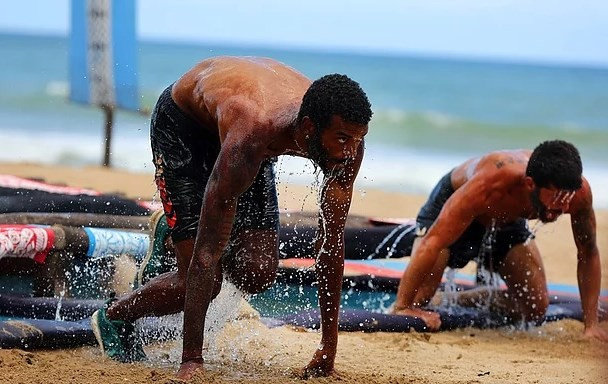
column 545, row 31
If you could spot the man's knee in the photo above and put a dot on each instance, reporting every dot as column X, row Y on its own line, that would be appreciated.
column 533, row 305
column 251, row 261
column 522, row 270
column 178, row 282
column 253, row 275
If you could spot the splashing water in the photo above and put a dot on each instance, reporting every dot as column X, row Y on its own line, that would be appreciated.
column 59, row 304
column 223, row 309
column 290, row 167
column 320, row 199
column 449, row 297
column 405, row 229
column 538, row 225
column 486, row 274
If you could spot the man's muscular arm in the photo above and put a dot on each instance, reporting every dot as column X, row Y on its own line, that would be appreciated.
column 336, row 195
column 588, row 260
column 235, row 170
column 457, row 214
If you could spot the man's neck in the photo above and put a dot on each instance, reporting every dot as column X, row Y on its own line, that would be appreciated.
column 290, row 141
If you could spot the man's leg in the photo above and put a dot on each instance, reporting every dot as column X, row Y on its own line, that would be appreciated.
column 181, row 161
column 252, row 257
column 113, row 324
column 522, row 270
column 252, row 260
column 162, row 295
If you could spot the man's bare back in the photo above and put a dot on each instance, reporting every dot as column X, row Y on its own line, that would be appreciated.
column 501, row 194
column 266, row 91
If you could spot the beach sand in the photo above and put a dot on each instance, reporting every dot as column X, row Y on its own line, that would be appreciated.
column 248, row 352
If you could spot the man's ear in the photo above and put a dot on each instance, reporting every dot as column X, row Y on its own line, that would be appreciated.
column 530, row 184
column 308, row 127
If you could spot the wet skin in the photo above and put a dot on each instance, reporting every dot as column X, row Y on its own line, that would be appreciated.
column 252, row 105
column 494, row 189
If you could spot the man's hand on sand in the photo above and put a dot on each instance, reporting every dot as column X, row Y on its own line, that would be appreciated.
column 597, row 333
column 431, row 319
column 321, row 365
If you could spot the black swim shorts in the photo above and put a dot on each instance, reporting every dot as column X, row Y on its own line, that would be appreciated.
column 470, row 246
column 184, row 154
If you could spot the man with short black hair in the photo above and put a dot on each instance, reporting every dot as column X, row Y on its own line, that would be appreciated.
column 480, row 211
column 215, row 134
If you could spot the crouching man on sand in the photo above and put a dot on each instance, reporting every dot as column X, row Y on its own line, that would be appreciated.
column 480, row 210
column 215, row 134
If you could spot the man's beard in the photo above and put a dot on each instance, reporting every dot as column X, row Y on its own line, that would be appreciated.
column 541, row 209
column 317, row 153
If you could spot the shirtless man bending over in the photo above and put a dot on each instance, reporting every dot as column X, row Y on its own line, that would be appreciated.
column 215, row 135
column 503, row 190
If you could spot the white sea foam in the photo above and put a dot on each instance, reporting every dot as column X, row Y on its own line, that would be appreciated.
column 57, row 88
column 128, row 151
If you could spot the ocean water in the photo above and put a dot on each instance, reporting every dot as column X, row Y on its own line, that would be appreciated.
column 429, row 113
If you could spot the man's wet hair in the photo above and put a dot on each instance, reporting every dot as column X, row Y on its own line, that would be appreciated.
column 556, row 163
column 335, row 94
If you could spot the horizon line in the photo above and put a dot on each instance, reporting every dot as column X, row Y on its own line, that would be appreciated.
column 370, row 52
